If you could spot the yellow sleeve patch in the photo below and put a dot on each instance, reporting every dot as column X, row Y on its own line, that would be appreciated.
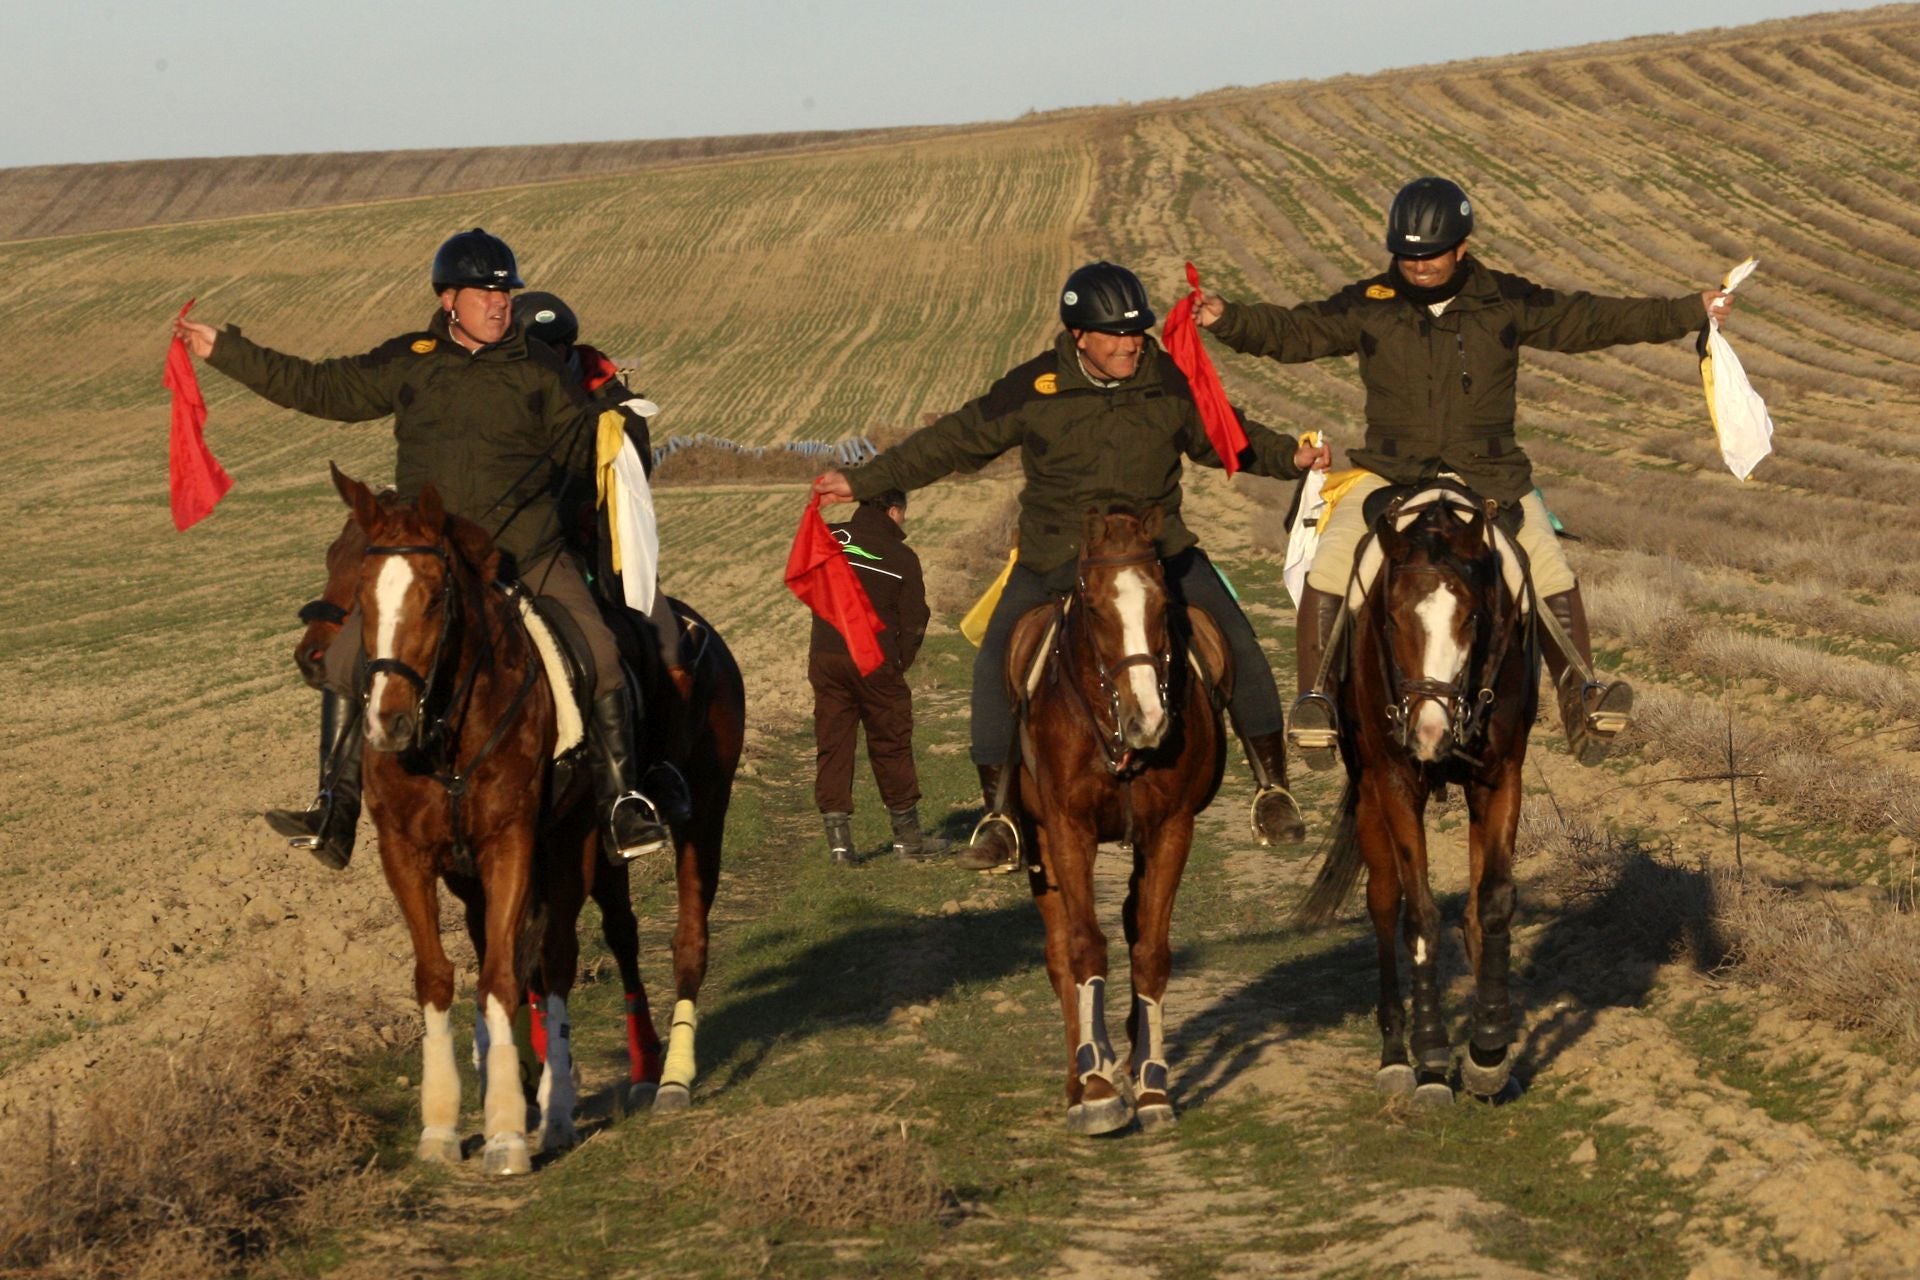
column 1047, row 384
column 1380, row 292
column 423, row 345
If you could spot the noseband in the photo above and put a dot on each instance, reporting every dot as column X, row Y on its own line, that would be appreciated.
column 1466, row 712
column 450, row 605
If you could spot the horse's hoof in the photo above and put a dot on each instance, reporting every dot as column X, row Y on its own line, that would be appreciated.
column 506, row 1153
column 1394, row 1080
column 1154, row 1111
column 672, row 1097
column 438, row 1146
column 1090, row 1119
column 1486, row 1081
column 1434, row 1093
column 640, row 1095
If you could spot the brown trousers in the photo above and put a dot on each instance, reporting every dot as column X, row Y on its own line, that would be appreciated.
column 843, row 700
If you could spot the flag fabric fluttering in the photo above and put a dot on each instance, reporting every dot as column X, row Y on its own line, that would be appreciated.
column 818, row 573
column 1180, row 335
column 622, row 489
column 195, row 479
column 974, row 625
column 1739, row 415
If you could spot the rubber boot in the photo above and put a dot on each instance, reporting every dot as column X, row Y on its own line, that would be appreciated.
column 909, row 841
column 1592, row 711
column 633, row 826
column 995, row 847
column 839, row 837
column 1276, row 818
column 326, row 827
column 1313, row 726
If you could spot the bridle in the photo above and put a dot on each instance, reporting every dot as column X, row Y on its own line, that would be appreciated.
column 1108, row 730
column 449, row 606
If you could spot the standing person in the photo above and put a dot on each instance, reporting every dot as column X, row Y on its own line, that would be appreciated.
column 875, row 541
column 1439, row 335
column 488, row 418
column 1103, row 416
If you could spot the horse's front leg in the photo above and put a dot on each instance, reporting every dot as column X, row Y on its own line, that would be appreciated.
column 505, row 873
column 1158, row 863
column 565, row 865
column 1403, row 818
column 1396, row 1075
column 1077, row 963
column 1494, row 813
column 410, row 876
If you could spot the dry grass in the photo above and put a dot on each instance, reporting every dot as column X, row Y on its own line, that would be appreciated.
column 194, row 1162
column 822, row 1164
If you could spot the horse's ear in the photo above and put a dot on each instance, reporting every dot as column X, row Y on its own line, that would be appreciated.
column 1095, row 531
column 1153, row 522
column 355, row 495
column 431, row 509
column 475, row 547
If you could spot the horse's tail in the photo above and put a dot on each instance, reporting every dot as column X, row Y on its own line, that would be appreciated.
column 1338, row 872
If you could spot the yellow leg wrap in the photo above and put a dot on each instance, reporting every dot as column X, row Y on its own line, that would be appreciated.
column 679, row 1067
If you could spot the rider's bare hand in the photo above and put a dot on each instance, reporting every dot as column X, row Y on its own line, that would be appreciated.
column 198, row 337
column 1719, row 304
column 1210, row 308
column 833, row 485
column 1313, row 457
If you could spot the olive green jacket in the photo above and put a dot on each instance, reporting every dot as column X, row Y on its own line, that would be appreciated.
column 1082, row 446
column 477, row 424
column 1440, row 389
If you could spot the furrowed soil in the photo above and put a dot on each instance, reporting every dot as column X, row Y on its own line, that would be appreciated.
column 880, row 1054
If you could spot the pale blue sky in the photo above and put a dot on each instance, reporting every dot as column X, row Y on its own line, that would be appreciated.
column 91, row 80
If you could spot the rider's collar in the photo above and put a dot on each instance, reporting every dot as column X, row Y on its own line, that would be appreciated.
column 1103, row 385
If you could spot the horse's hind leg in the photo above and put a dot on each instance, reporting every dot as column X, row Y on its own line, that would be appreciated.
column 565, row 865
column 622, row 933
column 1148, row 916
column 696, row 878
column 1495, row 817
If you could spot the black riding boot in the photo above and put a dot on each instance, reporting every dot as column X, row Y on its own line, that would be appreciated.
column 996, row 841
column 839, row 837
column 1313, row 727
column 326, row 827
column 909, row 841
column 1593, row 712
column 1276, row 818
column 633, row 827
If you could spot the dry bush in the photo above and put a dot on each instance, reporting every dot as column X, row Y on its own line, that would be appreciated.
column 194, row 1161
column 1856, row 969
column 715, row 464
column 968, row 563
column 820, row 1163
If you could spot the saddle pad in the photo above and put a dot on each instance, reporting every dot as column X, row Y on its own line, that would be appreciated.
column 1513, row 562
column 568, row 728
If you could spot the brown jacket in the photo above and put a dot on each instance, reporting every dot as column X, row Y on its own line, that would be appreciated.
column 887, row 567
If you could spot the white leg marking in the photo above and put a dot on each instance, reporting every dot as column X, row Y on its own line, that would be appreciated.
column 1419, row 950
column 389, row 593
column 556, row 1081
column 506, row 1110
column 1442, row 657
column 679, row 1066
column 1130, row 598
column 439, row 1076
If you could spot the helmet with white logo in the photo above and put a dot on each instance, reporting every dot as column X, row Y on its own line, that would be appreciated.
column 475, row 260
column 544, row 316
column 1105, row 297
column 1429, row 216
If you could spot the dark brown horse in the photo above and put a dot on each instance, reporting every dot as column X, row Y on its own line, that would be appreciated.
column 1440, row 688
column 1120, row 740
column 718, row 716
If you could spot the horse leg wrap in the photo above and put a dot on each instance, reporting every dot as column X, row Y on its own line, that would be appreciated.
column 439, row 1086
column 1149, row 1046
column 557, row 1090
column 643, row 1043
column 482, row 1041
column 505, row 1107
column 1431, row 1049
column 536, row 1026
column 680, row 1063
column 1095, row 1056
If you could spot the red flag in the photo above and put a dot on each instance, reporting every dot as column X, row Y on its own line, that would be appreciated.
column 818, row 572
column 1181, row 337
column 195, row 479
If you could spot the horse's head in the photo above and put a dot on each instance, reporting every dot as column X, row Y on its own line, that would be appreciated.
column 1436, row 574
column 325, row 615
column 409, row 598
column 1124, row 597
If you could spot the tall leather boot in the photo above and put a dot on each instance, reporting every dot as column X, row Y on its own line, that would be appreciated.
column 909, row 841
column 996, row 841
column 1276, row 818
column 672, row 745
column 839, row 837
column 1313, row 725
column 326, row 827
column 633, row 827
column 1593, row 712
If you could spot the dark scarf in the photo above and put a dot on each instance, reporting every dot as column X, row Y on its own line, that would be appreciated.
column 1426, row 297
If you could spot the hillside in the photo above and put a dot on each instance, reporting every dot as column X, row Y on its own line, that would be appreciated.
column 1733, row 1124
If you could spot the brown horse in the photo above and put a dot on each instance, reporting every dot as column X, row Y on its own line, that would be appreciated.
column 1119, row 741
column 1440, row 686
column 718, row 716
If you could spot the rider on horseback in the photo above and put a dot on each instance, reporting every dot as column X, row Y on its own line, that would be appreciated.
column 1104, row 416
column 1439, row 336
column 487, row 417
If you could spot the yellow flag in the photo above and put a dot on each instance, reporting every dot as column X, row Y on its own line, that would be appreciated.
column 974, row 625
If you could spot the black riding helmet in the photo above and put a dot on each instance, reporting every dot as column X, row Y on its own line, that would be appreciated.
column 1105, row 297
column 544, row 316
column 1429, row 216
column 475, row 260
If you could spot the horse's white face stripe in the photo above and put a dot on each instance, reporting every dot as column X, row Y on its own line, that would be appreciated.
column 1130, row 601
column 1442, row 657
column 389, row 594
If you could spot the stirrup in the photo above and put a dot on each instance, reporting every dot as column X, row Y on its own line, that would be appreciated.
column 651, row 839
column 1291, row 826
column 302, row 829
column 1594, row 714
column 1313, row 730
column 974, row 856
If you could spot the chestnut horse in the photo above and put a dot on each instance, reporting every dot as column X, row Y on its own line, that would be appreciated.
column 1440, row 686
column 460, row 722
column 1119, row 740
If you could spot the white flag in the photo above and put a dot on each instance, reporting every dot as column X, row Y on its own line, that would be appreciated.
column 1739, row 415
